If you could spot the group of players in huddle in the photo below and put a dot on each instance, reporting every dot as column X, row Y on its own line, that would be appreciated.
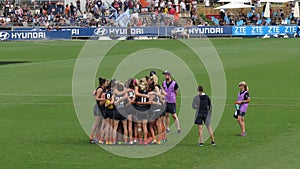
column 129, row 113
column 137, row 111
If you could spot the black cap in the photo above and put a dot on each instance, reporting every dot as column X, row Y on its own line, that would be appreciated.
column 167, row 72
column 152, row 73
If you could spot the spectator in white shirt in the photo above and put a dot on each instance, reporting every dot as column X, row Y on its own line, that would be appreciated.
column 182, row 7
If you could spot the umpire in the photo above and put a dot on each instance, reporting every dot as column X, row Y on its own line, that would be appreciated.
column 202, row 105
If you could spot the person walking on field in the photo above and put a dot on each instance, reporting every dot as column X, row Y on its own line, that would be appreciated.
column 202, row 105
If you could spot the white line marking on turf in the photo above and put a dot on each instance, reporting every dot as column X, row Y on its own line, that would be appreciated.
column 47, row 43
column 37, row 104
column 70, row 95
column 71, row 104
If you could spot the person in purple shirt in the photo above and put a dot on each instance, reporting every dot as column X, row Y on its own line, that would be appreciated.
column 243, row 101
column 171, row 89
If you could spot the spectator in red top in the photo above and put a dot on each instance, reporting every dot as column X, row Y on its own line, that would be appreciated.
column 67, row 10
column 140, row 22
column 116, row 5
column 172, row 11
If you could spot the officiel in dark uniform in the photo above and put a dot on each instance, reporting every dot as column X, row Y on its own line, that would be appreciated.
column 202, row 104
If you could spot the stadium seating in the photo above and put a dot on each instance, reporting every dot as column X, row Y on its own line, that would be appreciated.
column 215, row 20
column 288, row 21
column 268, row 21
column 227, row 20
column 240, row 23
column 259, row 22
column 249, row 14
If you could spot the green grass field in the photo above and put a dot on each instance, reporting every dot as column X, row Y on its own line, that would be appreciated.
column 39, row 127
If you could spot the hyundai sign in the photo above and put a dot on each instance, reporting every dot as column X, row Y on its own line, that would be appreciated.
column 34, row 35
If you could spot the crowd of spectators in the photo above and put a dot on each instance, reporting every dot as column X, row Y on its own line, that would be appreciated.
column 95, row 13
column 283, row 15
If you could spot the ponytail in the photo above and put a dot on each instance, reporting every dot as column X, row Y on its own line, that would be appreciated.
column 246, row 87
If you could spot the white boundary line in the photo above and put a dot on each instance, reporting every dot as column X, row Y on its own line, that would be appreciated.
column 71, row 104
column 69, row 95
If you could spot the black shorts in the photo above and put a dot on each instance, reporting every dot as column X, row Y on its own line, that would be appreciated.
column 108, row 113
column 120, row 114
column 154, row 114
column 130, row 110
column 101, row 110
column 171, row 108
column 97, row 111
column 202, row 117
column 241, row 113
column 163, row 113
column 142, row 115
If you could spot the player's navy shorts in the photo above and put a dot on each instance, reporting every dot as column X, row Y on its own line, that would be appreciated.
column 154, row 113
column 171, row 108
column 163, row 114
column 97, row 111
column 120, row 114
column 130, row 110
column 108, row 113
column 202, row 118
column 142, row 113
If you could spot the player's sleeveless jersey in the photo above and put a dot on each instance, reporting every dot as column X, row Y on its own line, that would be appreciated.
column 130, row 107
column 108, row 95
column 142, row 107
column 119, row 111
column 131, row 94
column 103, row 90
column 156, row 99
column 119, row 105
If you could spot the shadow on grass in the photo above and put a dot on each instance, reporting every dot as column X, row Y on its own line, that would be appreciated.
column 12, row 62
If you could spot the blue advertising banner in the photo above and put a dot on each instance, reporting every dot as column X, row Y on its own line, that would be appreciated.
column 106, row 31
column 34, row 35
column 170, row 30
column 140, row 31
column 262, row 30
column 210, row 30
